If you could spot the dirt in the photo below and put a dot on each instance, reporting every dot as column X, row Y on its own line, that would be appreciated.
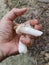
column 39, row 53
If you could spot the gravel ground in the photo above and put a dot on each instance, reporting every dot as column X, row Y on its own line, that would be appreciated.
column 39, row 53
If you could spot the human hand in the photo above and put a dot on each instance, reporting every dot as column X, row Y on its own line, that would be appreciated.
column 8, row 38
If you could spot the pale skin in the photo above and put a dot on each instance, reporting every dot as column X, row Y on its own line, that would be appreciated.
column 8, row 38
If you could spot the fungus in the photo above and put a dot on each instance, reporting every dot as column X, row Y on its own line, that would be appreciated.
column 26, row 29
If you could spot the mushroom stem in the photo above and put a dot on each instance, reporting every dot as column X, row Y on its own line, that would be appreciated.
column 22, row 48
column 28, row 30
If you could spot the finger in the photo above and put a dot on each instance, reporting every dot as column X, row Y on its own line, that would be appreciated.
column 38, row 27
column 14, row 13
column 26, row 40
column 32, row 22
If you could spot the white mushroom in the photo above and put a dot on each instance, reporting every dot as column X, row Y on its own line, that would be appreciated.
column 26, row 29
column 22, row 48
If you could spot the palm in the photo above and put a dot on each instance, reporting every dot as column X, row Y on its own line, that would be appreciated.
column 9, row 39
